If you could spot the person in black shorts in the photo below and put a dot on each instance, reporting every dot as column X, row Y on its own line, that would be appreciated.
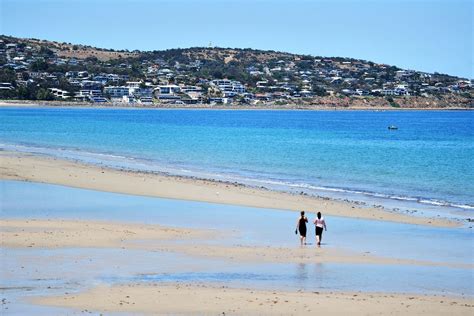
column 320, row 224
column 301, row 227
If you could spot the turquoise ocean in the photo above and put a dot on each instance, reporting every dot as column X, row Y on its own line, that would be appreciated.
column 426, row 163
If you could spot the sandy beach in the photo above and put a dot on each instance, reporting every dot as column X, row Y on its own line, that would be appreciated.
column 323, row 106
column 27, row 167
column 36, row 236
column 61, row 233
column 33, row 233
column 211, row 299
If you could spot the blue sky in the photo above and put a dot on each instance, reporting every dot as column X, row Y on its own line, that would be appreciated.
column 427, row 35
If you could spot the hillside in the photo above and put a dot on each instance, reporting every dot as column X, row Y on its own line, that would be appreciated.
column 33, row 69
column 72, row 50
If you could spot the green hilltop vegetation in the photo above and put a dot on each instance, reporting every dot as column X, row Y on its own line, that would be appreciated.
column 33, row 69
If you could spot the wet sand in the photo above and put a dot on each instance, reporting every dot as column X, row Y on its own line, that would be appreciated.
column 33, row 233
column 27, row 167
column 209, row 299
column 79, row 238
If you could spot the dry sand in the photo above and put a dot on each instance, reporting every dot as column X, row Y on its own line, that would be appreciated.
column 86, row 234
column 208, row 299
column 26, row 167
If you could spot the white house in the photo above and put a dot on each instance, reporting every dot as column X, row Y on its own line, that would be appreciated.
column 229, row 87
column 117, row 92
column 58, row 93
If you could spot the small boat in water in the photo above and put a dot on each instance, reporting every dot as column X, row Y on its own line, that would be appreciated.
column 392, row 127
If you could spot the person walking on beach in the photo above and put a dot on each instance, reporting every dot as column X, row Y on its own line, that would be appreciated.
column 320, row 224
column 301, row 227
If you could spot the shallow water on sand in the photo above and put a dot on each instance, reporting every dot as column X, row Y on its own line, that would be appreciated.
column 253, row 226
column 31, row 272
column 27, row 273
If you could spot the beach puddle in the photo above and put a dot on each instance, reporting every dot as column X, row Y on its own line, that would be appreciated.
column 325, row 277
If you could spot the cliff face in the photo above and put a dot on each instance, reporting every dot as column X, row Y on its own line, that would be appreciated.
column 407, row 102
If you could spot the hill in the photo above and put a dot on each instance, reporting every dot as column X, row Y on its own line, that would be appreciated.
column 34, row 69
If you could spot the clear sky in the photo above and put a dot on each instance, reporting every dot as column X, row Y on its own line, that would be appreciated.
column 427, row 35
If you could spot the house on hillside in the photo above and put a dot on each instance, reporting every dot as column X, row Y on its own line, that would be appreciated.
column 6, row 86
column 58, row 93
column 167, row 92
column 229, row 88
column 115, row 92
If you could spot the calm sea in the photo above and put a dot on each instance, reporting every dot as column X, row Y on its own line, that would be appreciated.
column 428, row 161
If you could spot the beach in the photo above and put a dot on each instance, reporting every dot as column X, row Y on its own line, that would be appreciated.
column 201, row 297
column 51, row 234
column 361, row 104
column 212, row 297
column 18, row 166
column 90, row 225
column 220, row 300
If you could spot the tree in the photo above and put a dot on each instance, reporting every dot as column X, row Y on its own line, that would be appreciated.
column 46, row 51
column 7, row 94
column 319, row 91
column 39, row 65
column 26, row 92
column 25, row 75
column 44, row 94
column 91, row 59
column 217, row 73
column 7, row 75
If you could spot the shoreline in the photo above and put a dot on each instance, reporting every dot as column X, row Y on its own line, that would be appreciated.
column 61, row 237
column 289, row 107
column 45, row 169
column 214, row 299
column 211, row 297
